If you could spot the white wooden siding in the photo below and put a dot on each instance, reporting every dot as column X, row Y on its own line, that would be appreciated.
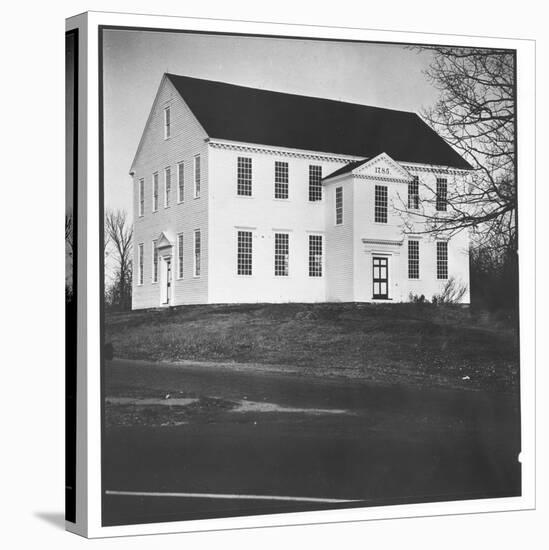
column 187, row 138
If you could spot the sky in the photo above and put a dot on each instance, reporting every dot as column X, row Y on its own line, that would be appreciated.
column 382, row 75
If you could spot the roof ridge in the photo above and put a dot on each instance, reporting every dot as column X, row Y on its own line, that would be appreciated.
column 268, row 90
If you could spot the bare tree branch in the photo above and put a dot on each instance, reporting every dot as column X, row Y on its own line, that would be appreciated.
column 475, row 113
column 119, row 237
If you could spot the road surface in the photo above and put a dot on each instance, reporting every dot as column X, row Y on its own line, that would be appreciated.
column 255, row 442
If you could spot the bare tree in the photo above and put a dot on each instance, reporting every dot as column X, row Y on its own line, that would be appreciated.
column 475, row 113
column 69, row 234
column 119, row 236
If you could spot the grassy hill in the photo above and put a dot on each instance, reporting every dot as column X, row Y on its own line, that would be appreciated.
column 421, row 344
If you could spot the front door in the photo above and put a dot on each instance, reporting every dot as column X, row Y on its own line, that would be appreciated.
column 381, row 278
column 168, row 280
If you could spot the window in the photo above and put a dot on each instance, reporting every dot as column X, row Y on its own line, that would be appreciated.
column 281, row 180
column 196, row 176
column 155, row 192
column 155, row 263
column 282, row 254
column 315, row 183
column 413, row 259
column 339, row 205
column 413, row 193
column 442, row 260
column 442, row 194
column 140, row 264
column 167, row 186
column 180, row 182
column 197, row 247
column 244, row 177
column 380, row 207
column 167, row 123
column 315, row 255
column 141, row 196
column 180, row 256
column 244, row 253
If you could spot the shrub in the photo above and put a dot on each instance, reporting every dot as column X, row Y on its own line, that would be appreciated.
column 415, row 299
column 452, row 293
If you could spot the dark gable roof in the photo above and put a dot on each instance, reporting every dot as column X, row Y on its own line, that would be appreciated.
column 238, row 113
column 347, row 168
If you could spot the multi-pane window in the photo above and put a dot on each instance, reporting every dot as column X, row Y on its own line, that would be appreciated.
column 281, row 180
column 380, row 206
column 315, row 255
column 140, row 264
column 180, row 256
column 167, row 186
column 141, row 196
column 282, row 254
column 197, row 252
column 167, row 123
column 244, row 176
column 413, row 259
column 196, row 176
column 315, row 183
column 339, row 205
column 442, row 260
column 154, row 262
column 180, row 182
column 155, row 192
column 244, row 253
column 442, row 194
column 413, row 193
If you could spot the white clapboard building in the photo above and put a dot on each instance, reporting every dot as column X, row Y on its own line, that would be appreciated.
column 247, row 195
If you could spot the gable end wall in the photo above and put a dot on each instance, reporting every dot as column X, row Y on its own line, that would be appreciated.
column 187, row 139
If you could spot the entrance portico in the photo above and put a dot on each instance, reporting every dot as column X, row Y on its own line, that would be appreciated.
column 165, row 247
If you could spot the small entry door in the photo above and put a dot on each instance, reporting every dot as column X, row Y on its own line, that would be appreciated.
column 168, row 280
column 381, row 278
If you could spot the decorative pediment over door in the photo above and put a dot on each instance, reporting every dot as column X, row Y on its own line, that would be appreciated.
column 165, row 242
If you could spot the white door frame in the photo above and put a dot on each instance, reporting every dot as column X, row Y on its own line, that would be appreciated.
column 166, row 286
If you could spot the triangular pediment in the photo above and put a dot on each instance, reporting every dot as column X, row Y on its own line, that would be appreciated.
column 164, row 240
column 382, row 167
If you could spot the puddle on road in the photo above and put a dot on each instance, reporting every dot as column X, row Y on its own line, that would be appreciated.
column 175, row 401
column 256, row 406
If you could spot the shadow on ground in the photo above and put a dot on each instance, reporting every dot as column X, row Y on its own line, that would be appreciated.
column 57, row 519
